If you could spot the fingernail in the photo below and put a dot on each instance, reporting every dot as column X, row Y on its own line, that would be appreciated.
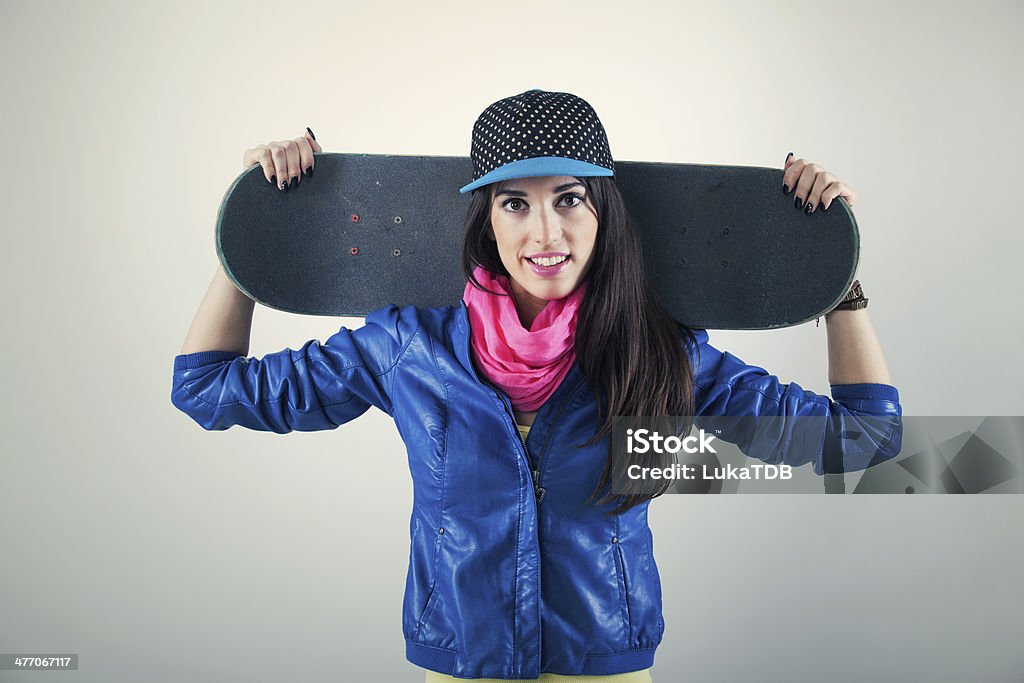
column 789, row 155
column 273, row 180
column 295, row 181
column 809, row 209
column 798, row 202
column 309, row 171
column 284, row 185
column 785, row 188
column 311, row 133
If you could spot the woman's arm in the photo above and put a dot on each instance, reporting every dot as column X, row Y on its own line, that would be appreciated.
column 223, row 321
column 858, row 427
column 318, row 386
column 854, row 354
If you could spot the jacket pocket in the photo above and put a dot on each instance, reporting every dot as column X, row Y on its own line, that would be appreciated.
column 428, row 606
column 425, row 613
column 620, row 567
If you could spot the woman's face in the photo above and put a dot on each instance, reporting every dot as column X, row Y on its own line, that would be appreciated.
column 545, row 228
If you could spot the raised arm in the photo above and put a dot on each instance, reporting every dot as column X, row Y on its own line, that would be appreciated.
column 854, row 353
column 224, row 319
column 318, row 386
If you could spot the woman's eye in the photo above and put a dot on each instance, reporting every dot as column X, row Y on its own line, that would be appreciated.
column 508, row 203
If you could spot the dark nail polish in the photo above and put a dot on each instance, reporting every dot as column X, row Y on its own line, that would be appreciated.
column 808, row 209
column 284, row 185
column 273, row 180
column 309, row 171
column 785, row 188
column 295, row 181
column 798, row 202
column 311, row 133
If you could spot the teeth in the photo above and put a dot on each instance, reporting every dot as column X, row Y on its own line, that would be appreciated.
column 548, row 261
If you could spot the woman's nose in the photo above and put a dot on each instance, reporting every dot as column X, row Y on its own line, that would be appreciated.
column 546, row 229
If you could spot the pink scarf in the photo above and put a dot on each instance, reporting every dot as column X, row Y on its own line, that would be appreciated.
column 527, row 364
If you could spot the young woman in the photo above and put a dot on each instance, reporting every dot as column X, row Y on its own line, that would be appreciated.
column 523, row 563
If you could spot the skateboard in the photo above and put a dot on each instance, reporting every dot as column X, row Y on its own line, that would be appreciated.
column 724, row 247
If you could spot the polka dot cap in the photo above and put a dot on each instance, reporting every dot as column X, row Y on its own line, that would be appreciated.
column 538, row 133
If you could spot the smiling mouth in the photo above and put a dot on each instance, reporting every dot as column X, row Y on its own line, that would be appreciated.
column 547, row 260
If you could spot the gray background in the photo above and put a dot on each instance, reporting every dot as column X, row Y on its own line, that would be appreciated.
column 160, row 552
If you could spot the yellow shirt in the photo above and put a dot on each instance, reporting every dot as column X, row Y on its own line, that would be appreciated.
column 642, row 676
column 523, row 430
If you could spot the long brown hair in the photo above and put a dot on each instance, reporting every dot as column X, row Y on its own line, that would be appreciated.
column 628, row 346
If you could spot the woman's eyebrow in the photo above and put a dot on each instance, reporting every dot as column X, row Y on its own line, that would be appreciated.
column 520, row 193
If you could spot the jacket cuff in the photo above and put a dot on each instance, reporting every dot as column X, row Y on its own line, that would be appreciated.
column 189, row 361
column 866, row 392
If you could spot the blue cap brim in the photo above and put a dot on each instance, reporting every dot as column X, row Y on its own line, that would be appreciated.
column 538, row 166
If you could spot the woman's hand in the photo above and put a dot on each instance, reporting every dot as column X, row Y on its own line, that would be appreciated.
column 284, row 159
column 813, row 186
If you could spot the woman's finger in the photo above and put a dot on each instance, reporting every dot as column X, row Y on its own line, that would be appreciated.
column 280, row 155
column 260, row 155
column 792, row 173
column 254, row 156
column 804, row 183
column 266, row 160
column 250, row 157
column 312, row 141
column 294, row 170
column 305, row 156
column 821, row 181
column 829, row 194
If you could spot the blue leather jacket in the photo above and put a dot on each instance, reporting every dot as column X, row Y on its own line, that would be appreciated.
column 510, row 574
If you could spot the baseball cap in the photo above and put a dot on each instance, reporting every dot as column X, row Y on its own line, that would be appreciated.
column 538, row 133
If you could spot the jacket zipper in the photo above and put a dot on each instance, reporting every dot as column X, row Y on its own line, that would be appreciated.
column 545, row 449
column 538, row 492
column 536, row 468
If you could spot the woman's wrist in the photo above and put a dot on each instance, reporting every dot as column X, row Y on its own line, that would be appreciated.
column 853, row 301
column 842, row 313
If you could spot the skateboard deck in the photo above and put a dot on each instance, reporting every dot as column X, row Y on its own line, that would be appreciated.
column 724, row 247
